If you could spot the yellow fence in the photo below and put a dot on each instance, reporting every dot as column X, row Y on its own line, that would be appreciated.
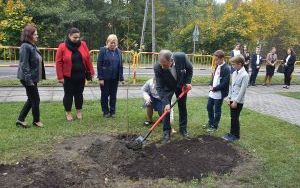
column 9, row 55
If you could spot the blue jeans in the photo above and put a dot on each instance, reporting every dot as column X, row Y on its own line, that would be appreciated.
column 214, row 109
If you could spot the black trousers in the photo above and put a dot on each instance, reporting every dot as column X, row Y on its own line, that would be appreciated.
column 182, row 113
column 247, row 67
column 288, row 75
column 33, row 103
column 109, row 93
column 253, row 76
column 235, row 121
column 73, row 88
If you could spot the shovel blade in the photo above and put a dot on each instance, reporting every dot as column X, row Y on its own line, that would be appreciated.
column 140, row 139
column 137, row 144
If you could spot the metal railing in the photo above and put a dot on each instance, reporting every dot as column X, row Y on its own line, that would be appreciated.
column 9, row 55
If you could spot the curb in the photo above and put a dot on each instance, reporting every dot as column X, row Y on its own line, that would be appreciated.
column 16, row 65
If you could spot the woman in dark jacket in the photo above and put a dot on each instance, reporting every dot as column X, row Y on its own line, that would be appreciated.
column 73, row 66
column 110, row 72
column 289, row 65
column 31, row 70
column 246, row 55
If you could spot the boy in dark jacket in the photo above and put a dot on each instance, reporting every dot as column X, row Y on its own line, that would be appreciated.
column 218, row 90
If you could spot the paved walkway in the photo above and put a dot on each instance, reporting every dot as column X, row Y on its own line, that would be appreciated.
column 261, row 99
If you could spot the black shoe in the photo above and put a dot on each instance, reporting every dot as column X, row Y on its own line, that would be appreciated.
column 106, row 115
column 112, row 115
column 166, row 137
column 184, row 133
column 22, row 124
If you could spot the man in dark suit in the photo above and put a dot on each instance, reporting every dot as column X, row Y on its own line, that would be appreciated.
column 173, row 72
column 256, row 60
column 218, row 90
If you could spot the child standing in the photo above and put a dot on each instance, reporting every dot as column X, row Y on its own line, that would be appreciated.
column 240, row 79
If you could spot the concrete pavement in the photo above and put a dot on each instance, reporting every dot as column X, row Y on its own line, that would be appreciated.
column 260, row 98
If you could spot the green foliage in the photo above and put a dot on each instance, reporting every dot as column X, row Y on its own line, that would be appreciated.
column 13, row 18
column 266, row 22
column 259, row 21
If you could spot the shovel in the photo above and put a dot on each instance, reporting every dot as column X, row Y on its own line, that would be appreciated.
column 140, row 141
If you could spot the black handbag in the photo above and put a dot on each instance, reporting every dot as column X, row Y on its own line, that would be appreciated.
column 88, row 76
column 280, row 68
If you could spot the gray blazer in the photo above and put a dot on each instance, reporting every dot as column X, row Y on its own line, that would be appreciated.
column 239, row 85
column 29, row 65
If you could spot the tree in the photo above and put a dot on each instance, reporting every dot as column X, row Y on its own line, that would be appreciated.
column 54, row 19
column 13, row 18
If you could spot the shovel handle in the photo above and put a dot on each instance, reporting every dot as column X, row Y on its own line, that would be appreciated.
column 159, row 120
column 185, row 90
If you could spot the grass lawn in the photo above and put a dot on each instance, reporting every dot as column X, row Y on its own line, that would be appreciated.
column 274, row 143
column 295, row 95
column 140, row 80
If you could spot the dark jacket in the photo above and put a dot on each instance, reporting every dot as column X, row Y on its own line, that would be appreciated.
column 291, row 61
column 166, row 84
column 246, row 56
column 29, row 65
column 224, row 81
column 253, row 61
column 104, row 66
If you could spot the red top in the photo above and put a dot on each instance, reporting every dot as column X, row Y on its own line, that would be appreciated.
column 63, row 60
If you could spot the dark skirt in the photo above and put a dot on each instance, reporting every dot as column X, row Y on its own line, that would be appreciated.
column 270, row 70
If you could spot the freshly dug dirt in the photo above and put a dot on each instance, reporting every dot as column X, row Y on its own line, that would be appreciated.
column 105, row 161
column 184, row 160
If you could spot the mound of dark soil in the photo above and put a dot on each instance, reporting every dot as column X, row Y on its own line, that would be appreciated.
column 184, row 160
column 103, row 161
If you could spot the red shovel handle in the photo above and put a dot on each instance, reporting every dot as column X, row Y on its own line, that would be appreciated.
column 184, row 91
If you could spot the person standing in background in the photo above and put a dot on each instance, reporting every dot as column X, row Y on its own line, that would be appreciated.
column 236, row 51
column 73, row 64
column 271, row 61
column 256, row 60
column 110, row 72
column 246, row 55
column 30, row 71
column 289, row 65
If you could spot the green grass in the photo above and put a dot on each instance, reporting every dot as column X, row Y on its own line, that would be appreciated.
column 295, row 95
column 274, row 143
column 140, row 80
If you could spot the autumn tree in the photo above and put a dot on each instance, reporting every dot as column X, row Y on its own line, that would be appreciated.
column 13, row 18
